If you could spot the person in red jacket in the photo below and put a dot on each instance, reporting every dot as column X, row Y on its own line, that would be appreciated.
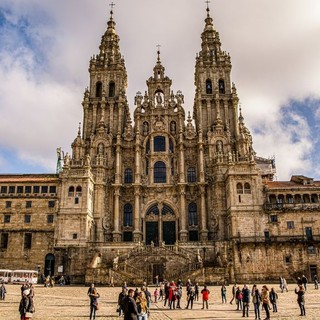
column 205, row 296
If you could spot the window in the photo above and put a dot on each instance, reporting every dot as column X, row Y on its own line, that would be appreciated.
column 28, row 204
column 76, row 200
column 208, row 87
column 127, row 215
column 71, row 192
column 4, row 240
column 311, row 250
column 8, row 204
column 52, row 189
column 193, row 235
column 159, row 144
column 191, row 174
column 290, row 224
column 27, row 240
column 247, row 188
column 239, row 188
column 4, row 189
column 6, row 218
column 74, row 236
column 44, row 189
column 288, row 259
column 27, row 189
column 309, row 233
column 159, row 174
column 36, row 189
column 19, row 189
column 78, row 191
column 273, row 218
column 98, row 89
column 267, row 236
column 128, row 175
column 51, row 203
column 27, row 218
column 112, row 89
column 50, row 218
column 127, row 236
column 192, row 214
column 12, row 189
column 221, row 86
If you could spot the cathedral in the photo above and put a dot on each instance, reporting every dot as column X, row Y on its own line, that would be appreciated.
column 161, row 193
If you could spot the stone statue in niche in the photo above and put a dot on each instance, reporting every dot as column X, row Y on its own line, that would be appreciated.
column 159, row 99
column 145, row 128
column 173, row 127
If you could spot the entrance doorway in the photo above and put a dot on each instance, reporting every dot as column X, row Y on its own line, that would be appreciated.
column 169, row 232
column 157, row 270
column 49, row 264
column 313, row 271
column 152, row 229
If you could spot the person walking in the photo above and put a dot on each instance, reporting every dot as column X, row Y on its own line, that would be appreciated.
column 273, row 296
column 205, row 296
column 190, row 297
column 234, row 289
column 25, row 305
column 130, row 307
column 301, row 301
column 3, row 292
column 223, row 294
column 142, row 307
column 265, row 301
column 304, row 281
column 94, row 303
column 245, row 301
column 256, row 300
column 315, row 281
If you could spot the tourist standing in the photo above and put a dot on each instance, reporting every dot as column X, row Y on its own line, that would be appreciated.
column 256, row 300
column 156, row 295
column 223, row 294
column 25, row 305
column 245, row 301
column 265, row 301
column 190, row 297
column 121, row 298
column 239, row 298
column 315, row 281
column 196, row 292
column 301, row 301
column 273, row 296
column 142, row 307
column 304, row 281
column 130, row 307
column 281, row 283
column 3, row 292
column 234, row 289
column 94, row 303
column 285, row 285
column 205, row 296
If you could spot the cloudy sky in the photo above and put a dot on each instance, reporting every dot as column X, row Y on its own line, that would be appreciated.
column 45, row 47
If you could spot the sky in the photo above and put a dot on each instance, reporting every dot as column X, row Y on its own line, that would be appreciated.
column 45, row 48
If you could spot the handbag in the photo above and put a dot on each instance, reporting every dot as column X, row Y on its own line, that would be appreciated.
column 28, row 315
column 97, row 306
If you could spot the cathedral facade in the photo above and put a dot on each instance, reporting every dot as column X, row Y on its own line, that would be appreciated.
column 161, row 192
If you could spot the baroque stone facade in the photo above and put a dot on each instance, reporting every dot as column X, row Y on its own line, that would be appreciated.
column 166, row 194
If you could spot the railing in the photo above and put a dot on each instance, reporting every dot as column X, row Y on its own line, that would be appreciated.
column 277, row 239
column 291, row 206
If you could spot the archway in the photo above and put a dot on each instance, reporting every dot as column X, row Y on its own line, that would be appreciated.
column 49, row 264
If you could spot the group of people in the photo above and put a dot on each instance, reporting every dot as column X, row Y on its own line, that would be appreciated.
column 26, row 306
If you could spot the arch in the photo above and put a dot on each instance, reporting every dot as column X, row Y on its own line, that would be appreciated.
column 289, row 198
column 128, row 177
column 208, row 86
column 167, row 210
column 127, row 215
column 71, row 191
column 221, row 86
column 153, row 210
column 314, row 198
column 247, row 188
column 49, row 264
column 112, row 89
column 280, row 198
column 160, row 172
column 99, row 89
column 297, row 198
column 192, row 214
column 272, row 198
column 306, row 198
column 239, row 188
column 191, row 174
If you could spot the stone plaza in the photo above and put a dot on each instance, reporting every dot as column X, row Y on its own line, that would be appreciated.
column 71, row 303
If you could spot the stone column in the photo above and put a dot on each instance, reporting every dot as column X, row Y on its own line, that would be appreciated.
column 116, row 215
column 183, row 231
column 203, row 216
column 137, row 225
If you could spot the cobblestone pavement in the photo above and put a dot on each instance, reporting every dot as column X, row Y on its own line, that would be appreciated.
column 72, row 303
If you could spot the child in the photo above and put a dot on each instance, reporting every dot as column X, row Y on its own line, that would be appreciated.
column 156, row 295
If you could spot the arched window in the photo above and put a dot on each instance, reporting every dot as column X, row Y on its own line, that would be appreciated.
column 159, row 144
column 127, row 215
column 98, row 89
column 289, row 198
column 154, row 210
column 128, row 176
column 167, row 210
column 159, row 172
column 247, row 188
column 208, row 86
column 239, row 188
column 78, row 191
column 221, row 86
column 191, row 174
column 192, row 214
column 71, row 192
column 112, row 89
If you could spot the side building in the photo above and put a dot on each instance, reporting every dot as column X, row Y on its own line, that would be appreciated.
column 166, row 194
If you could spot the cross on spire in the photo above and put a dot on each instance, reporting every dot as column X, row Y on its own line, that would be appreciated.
column 111, row 5
column 158, row 52
column 207, row 2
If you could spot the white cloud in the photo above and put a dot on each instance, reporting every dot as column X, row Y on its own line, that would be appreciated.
column 273, row 45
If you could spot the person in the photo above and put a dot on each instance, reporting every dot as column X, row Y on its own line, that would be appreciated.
column 172, row 295
column 205, row 296
column 196, row 291
column 62, row 281
column 111, row 283
column 190, row 297
column 94, row 303
column 3, row 292
column 304, row 281
column 143, row 310
column 156, row 295
column 256, row 300
column 300, row 292
column 161, row 292
column 285, row 285
column 315, row 281
column 90, row 290
column 265, row 301
column 178, row 296
column 24, row 306
column 273, row 296
column 281, row 283
column 121, row 298
column 166, row 293
column 130, row 307
column 234, row 289
column 239, row 298
column 157, row 280
column 224, row 294
column 245, row 301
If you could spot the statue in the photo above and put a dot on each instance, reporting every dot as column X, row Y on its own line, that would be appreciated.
column 159, row 99
column 115, row 263
column 96, row 261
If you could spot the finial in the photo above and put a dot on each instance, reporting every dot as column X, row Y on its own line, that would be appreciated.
column 208, row 10
column 111, row 12
column 79, row 129
column 158, row 52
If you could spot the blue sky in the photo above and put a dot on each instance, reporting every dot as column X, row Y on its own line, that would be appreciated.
column 46, row 47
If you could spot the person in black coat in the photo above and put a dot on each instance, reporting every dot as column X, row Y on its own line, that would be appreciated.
column 130, row 307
